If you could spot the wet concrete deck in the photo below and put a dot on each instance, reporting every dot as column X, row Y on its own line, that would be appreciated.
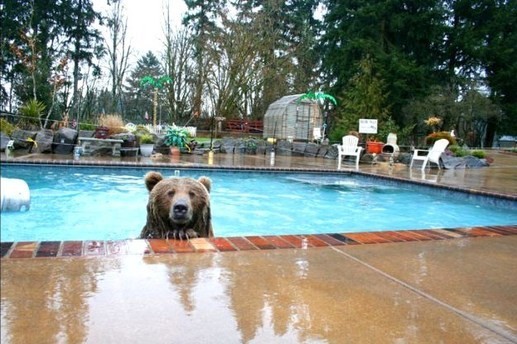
column 451, row 291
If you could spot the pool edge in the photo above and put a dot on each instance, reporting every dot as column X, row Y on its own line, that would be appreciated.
column 149, row 247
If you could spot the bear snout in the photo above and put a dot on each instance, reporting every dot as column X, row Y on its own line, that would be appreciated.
column 181, row 211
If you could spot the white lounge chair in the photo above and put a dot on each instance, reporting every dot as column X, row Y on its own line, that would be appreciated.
column 432, row 155
column 349, row 148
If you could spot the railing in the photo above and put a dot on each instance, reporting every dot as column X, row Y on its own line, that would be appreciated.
column 245, row 126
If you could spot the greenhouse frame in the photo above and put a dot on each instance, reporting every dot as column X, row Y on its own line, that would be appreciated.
column 294, row 119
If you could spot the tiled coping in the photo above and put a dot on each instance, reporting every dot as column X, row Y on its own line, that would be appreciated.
column 97, row 248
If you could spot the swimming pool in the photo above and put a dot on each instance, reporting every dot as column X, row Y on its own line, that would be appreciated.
column 91, row 203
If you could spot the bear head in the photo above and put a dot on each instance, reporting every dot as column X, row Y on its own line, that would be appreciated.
column 178, row 208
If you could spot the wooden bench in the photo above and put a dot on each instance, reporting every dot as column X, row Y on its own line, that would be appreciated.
column 88, row 144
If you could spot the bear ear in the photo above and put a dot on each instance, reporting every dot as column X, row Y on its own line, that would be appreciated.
column 206, row 182
column 151, row 179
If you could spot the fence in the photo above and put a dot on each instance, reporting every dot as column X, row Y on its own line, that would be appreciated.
column 245, row 126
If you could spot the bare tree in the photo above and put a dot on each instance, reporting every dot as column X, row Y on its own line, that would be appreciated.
column 235, row 74
column 119, row 52
column 179, row 63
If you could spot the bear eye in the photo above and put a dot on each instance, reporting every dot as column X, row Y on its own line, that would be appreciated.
column 192, row 194
column 170, row 193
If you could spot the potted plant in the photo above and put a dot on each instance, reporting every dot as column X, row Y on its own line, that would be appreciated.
column 176, row 138
column 373, row 146
column 146, row 144
column 250, row 146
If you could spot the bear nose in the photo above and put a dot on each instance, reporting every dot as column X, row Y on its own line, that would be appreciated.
column 180, row 209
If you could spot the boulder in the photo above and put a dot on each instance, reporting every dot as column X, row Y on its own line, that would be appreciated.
column 299, row 148
column 323, row 151
column 284, row 148
column 4, row 139
column 44, row 139
column 263, row 147
column 86, row 133
column 332, row 151
column 452, row 162
column 227, row 145
column 22, row 138
column 64, row 141
column 311, row 149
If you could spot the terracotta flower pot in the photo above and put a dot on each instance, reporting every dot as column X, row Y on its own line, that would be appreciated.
column 175, row 151
column 374, row 147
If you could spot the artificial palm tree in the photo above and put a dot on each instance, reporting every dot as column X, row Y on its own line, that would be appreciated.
column 157, row 83
column 320, row 98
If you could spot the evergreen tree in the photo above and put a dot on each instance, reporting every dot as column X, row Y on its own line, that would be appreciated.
column 401, row 37
column 139, row 100
column 366, row 97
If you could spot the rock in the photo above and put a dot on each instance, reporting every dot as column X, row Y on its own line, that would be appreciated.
column 44, row 139
column 227, row 145
column 311, row 149
column 332, row 151
column 64, row 141
column 299, row 148
column 323, row 151
column 452, row 162
column 473, row 162
column 263, row 147
column 128, row 138
column 284, row 148
column 4, row 139
column 21, row 138
column 86, row 133
column 405, row 158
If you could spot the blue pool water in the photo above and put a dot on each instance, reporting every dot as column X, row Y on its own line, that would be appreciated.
column 83, row 203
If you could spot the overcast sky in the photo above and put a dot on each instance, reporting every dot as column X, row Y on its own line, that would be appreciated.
column 145, row 21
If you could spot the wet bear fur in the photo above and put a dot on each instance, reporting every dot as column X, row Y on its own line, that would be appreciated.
column 178, row 208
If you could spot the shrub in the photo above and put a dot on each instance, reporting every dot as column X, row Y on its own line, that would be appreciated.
column 141, row 130
column 31, row 112
column 87, row 126
column 114, row 123
column 146, row 139
column 458, row 151
column 453, row 149
column 176, row 137
column 6, row 127
column 432, row 138
column 478, row 154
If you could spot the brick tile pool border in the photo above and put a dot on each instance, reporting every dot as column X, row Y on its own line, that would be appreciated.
column 100, row 248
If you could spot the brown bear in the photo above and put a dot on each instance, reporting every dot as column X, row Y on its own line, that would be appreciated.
column 178, row 208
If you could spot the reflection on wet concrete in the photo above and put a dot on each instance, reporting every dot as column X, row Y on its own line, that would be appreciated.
column 47, row 303
column 313, row 295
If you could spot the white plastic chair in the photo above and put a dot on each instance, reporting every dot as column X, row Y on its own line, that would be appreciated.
column 432, row 155
column 349, row 148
